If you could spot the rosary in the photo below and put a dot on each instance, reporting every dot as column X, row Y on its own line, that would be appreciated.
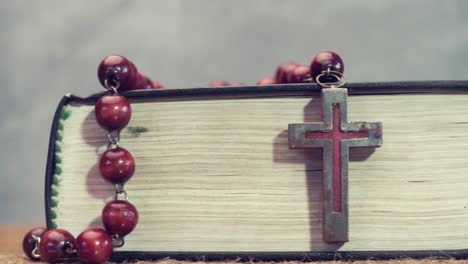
column 117, row 165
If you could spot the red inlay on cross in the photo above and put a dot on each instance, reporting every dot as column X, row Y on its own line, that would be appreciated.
column 336, row 135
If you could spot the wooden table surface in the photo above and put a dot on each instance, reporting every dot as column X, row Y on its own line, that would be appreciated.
column 11, row 252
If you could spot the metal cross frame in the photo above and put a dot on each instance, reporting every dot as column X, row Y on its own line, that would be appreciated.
column 335, row 135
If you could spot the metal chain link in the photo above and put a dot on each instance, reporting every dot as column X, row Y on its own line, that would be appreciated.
column 35, row 252
column 112, row 85
column 119, row 189
column 117, row 241
column 113, row 137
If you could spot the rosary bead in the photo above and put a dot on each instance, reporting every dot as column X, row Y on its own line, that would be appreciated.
column 117, row 165
column 94, row 246
column 218, row 83
column 134, row 67
column 116, row 68
column 157, row 85
column 119, row 217
column 29, row 243
column 142, row 83
column 283, row 71
column 266, row 81
column 322, row 62
column 299, row 74
column 236, row 84
column 113, row 112
column 56, row 244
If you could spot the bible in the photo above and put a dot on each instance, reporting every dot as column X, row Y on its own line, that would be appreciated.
column 371, row 170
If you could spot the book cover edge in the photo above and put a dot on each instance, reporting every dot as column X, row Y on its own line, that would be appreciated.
column 360, row 88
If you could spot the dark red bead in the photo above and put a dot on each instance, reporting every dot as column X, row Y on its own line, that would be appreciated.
column 157, row 85
column 142, row 83
column 299, row 74
column 236, row 84
column 118, row 68
column 117, row 165
column 56, row 245
column 266, row 81
column 119, row 217
column 283, row 71
column 134, row 67
column 113, row 112
column 322, row 62
column 94, row 246
column 29, row 243
column 218, row 83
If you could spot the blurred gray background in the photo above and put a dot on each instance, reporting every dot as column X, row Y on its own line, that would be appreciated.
column 49, row 48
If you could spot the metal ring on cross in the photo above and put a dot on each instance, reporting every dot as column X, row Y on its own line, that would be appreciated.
column 339, row 79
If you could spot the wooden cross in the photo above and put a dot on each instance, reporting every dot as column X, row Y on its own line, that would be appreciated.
column 335, row 135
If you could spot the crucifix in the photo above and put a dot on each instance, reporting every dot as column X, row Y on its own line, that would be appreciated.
column 335, row 135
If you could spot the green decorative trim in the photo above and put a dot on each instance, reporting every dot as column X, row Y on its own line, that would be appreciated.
column 53, row 214
column 54, row 192
column 53, row 202
column 64, row 115
column 56, row 181
column 58, row 149
column 59, row 136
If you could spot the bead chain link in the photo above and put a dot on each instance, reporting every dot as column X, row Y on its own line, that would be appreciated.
column 114, row 138
column 37, row 240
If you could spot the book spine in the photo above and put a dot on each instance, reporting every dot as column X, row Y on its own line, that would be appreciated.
column 53, row 170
